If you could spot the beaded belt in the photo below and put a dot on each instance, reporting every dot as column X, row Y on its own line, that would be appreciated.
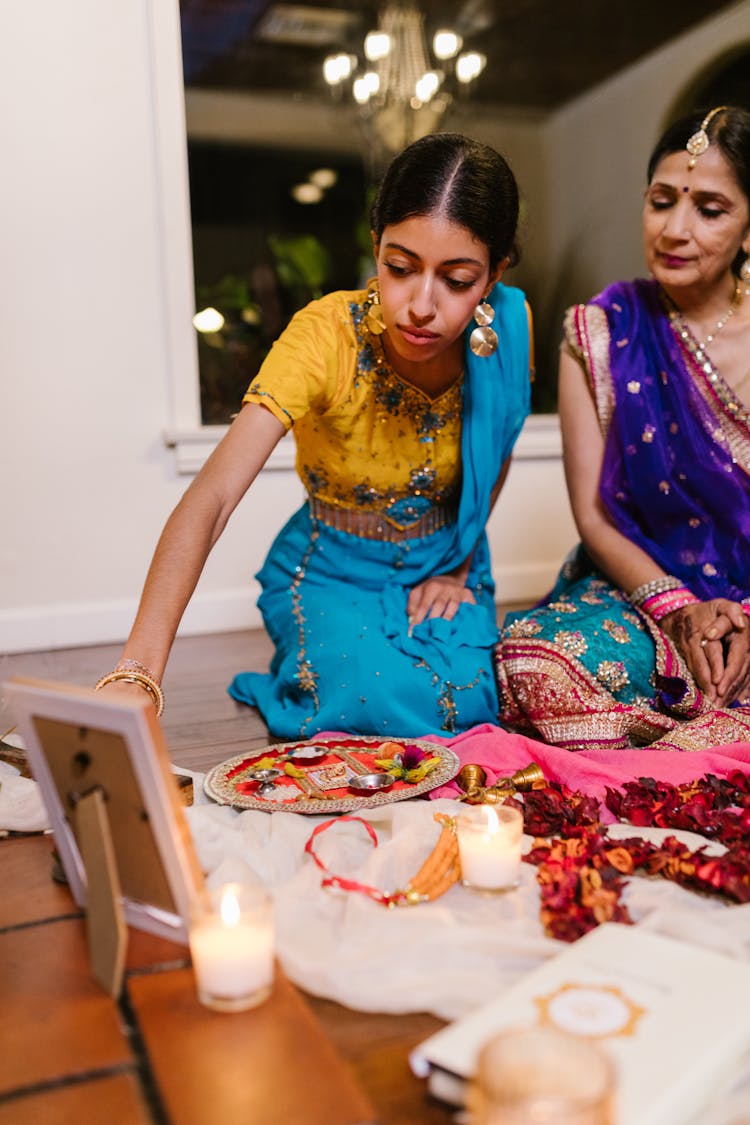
column 377, row 525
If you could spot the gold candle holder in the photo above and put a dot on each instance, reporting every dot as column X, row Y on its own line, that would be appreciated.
column 542, row 1075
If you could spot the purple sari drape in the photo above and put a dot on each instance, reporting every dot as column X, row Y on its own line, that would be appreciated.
column 677, row 456
column 578, row 669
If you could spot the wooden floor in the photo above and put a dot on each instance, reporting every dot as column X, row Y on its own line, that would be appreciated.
column 202, row 724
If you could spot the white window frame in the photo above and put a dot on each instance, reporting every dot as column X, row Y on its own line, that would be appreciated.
column 191, row 440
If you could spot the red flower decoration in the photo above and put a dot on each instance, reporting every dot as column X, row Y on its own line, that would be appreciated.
column 581, row 873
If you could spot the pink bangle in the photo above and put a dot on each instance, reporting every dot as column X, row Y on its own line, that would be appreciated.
column 661, row 604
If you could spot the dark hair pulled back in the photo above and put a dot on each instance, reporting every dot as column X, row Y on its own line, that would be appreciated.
column 468, row 182
column 729, row 129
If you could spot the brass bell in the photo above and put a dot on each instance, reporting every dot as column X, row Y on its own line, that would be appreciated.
column 471, row 779
column 524, row 779
column 501, row 789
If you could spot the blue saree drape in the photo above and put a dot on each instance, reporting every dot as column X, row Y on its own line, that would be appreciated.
column 334, row 604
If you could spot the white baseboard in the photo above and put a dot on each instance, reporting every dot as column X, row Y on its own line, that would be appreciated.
column 71, row 625
column 527, row 583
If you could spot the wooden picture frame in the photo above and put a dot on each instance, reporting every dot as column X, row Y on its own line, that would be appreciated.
column 91, row 751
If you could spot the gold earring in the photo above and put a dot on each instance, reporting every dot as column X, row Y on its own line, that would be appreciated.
column 483, row 340
column 373, row 311
column 745, row 269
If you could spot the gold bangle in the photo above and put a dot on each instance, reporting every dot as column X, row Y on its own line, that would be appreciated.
column 130, row 665
column 152, row 686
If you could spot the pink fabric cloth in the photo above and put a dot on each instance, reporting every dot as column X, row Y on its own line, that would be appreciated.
column 501, row 753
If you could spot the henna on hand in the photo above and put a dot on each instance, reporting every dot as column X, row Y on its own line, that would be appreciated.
column 714, row 640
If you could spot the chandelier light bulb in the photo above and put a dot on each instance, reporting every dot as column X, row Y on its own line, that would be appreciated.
column 401, row 97
column 427, row 86
column 365, row 87
column 377, row 45
column 337, row 68
column 469, row 65
column 446, row 44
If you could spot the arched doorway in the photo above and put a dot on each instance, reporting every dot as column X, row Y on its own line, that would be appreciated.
column 725, row 81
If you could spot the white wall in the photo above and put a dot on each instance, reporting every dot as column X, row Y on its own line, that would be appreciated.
column 596, row 152
column 94, row 317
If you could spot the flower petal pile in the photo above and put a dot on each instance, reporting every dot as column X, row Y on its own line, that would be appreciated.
column 581, row 872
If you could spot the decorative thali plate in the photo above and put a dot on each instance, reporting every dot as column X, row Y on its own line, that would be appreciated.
column 320, row 773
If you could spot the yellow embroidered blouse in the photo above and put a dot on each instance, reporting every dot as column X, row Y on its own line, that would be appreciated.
column 366, row 439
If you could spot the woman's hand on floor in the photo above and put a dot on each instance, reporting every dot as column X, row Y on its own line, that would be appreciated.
column 440, row 596
column 714, row 639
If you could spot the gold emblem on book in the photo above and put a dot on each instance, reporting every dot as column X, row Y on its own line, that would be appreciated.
column 598, row 1011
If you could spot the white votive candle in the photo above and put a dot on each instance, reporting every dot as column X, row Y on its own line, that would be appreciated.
column 231, row 943
column 489, row 847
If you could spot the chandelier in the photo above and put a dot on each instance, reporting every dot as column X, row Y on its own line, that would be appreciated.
column 402, row 91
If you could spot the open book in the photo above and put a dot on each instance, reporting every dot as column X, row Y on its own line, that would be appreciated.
column 674, row 1017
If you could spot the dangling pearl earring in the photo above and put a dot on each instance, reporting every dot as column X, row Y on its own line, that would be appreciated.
column 745, row 269
column 483, row 340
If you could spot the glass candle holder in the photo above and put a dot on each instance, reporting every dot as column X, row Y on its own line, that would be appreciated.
column 489, row 847
column 542, row 1076
column 231, row 944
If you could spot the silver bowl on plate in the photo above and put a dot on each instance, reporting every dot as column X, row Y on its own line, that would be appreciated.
column 266, row 779
column 365, row 784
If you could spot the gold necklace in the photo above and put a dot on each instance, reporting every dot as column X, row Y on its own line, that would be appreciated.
column 741, row 383
column 736, row 298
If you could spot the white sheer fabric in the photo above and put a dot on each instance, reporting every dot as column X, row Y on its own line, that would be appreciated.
column 443, row 957
column 21, row 805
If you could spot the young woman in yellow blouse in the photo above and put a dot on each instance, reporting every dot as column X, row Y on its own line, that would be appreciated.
column 405, row 405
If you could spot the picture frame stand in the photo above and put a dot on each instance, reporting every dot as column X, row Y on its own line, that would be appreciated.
column 112, row 797
column 106, row 930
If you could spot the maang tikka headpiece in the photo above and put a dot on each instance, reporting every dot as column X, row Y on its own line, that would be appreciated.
column 699, row 142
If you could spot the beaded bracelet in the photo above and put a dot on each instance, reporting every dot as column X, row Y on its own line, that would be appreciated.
column 655, row 586
column 662, row 604
column 148, row 683
column 438, row 873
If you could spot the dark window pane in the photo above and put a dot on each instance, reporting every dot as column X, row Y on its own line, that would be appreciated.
column 260, row 254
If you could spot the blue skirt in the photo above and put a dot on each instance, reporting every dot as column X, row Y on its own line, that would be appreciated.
column 334, row 606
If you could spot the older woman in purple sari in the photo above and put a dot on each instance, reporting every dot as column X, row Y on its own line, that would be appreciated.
column 645, row 638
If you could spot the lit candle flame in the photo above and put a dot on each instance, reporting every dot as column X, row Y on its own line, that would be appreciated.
column 230, row 908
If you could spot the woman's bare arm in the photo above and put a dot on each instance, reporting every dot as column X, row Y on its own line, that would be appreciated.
column 721, row 670
column 192, row 530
